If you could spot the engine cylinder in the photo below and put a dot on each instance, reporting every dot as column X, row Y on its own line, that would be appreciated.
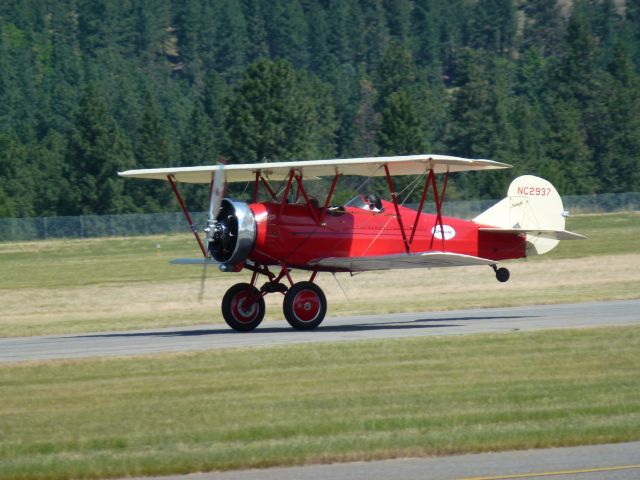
column 234, row 233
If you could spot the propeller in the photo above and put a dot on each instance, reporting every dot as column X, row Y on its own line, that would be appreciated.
column 215, row 201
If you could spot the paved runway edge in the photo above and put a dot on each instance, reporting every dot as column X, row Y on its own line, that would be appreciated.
column 621, row 460
column 400, row 325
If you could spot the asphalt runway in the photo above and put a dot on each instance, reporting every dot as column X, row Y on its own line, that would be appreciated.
column 594, row 462
column 459, row 322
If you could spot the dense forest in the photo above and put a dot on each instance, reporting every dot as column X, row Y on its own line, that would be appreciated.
column 90, row 87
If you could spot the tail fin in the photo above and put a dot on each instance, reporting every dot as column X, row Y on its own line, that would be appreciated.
column 532, row 207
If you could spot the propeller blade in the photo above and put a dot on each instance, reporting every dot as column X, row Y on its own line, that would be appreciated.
column 215, row 200
column 202, row 282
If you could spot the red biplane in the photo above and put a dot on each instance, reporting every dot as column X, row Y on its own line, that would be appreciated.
column 292, row 230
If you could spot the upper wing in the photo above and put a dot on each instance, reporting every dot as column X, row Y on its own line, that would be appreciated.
column 367, row 167
column 404, row 260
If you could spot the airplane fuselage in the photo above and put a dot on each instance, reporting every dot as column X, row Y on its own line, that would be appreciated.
column 288, row 234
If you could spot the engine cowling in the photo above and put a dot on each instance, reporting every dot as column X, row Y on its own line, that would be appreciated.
column 234, row 233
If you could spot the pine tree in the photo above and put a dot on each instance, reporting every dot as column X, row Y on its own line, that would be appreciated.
column 287, row 32
column 615, row 129
column 400, row 129
column 17, row 184
column 97, row 152
column 396, row 70
column 480, row 123
column 272, row 115
column 365, row 124
column 48, row 173
column 493, row 25
column 568, row 150
column 229, row 42
column 256, row 29
column 469, row 132
column 543, row 27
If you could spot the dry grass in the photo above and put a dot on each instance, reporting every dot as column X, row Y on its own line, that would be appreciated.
column 31, row 311
column 67, row 286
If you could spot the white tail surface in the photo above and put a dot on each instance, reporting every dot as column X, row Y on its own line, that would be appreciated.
column 532, row 207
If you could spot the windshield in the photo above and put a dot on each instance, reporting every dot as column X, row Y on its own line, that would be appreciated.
column 357, row 202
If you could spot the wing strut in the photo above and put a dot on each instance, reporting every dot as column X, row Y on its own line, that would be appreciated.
column 328, row 199
column 186, row 214
column 394, row 198
column 306, row 199
column 439, row 199
column 430, row 178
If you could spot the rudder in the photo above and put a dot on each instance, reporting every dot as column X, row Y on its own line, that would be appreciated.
column 532, row 203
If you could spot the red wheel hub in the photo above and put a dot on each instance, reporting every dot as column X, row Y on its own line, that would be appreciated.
column 306, row 305
column 244, row 307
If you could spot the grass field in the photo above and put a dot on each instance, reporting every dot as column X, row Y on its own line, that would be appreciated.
column 68, row 286
column 319, row 403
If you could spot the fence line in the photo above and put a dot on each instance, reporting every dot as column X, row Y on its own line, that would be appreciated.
column 87, row 226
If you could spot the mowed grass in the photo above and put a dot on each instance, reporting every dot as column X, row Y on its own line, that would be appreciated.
column 69, row 286
column 319, row 403
column 607, row 234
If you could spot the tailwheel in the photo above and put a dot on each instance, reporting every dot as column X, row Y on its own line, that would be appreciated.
column 502, row 274
column 243, row 307
column 304, row 306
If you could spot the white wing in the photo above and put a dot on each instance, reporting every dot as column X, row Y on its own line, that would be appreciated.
column 367, row 167
column 401, row 261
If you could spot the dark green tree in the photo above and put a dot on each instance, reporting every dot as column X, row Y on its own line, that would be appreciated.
column 228, row 43
column 469, row 132
column 258, row 47
column 287, row 32
column 98, row 150
column 396, row 70
column 493, row 25
column 273, row 114
column 615, row 129
column 400, row 129
column 571, row 159
column 365, row 124
column 543, row 26
column 480, row 123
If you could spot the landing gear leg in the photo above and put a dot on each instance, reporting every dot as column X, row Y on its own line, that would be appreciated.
column 502, row 274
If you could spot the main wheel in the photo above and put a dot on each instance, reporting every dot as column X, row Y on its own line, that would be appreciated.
column 304, row 306
column 243, row 307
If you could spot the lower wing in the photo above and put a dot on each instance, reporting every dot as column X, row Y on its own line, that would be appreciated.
column 411, row 260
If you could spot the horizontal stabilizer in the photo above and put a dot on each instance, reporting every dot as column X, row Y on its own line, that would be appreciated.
column 551, row 234
column 413, row 260
column 193, row 261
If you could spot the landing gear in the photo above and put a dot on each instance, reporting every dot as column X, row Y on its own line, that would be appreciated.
column 304, row 303
column 502, row 274
column 304, row 306
column 243, row 307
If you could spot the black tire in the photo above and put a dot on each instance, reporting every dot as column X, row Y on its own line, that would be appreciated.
column 502, row 274
column 237, row 313
column 304, row 306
